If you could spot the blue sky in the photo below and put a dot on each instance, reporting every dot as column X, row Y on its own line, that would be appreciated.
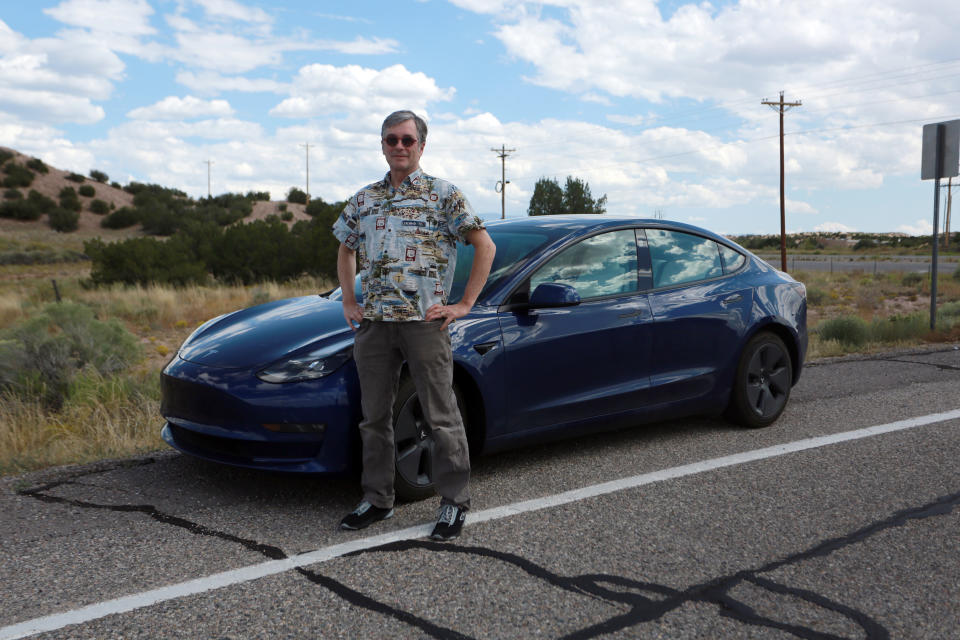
column 655, row 104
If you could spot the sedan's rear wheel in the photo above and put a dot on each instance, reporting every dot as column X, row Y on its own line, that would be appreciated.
column 763, row 381
column 414, row 443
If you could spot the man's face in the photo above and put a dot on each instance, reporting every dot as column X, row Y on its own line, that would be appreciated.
column 402, row 160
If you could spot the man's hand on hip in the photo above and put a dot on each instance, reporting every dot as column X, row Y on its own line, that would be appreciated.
column 448, row 313
column 353, row 313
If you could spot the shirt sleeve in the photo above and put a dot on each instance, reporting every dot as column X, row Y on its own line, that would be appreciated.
column 345, row 228
column 461, row 218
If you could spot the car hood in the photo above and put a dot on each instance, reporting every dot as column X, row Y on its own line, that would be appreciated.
column 263, row 334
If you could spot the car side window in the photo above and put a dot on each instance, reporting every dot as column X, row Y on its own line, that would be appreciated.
column 732, row 259
column 602, row 265
column 678, row 257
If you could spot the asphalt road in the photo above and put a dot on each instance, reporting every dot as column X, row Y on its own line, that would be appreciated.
column 854, row 538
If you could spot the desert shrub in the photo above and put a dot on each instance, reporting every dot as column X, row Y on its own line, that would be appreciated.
column 864, row 243
column 42, row 355
column 254, row 196
column 42, row 202
column 87, row 191
column 318, row 207
column 20, row 210
column 144, row 261
column 69, row 199
column 17, row 176
column 912, row 279
column 816, row 296
column 898, row 328
column 63, row 220
column 122, row 218
column 848, row 330
column 261, row 250
column 282, row 206
column 99, row 207
column 4, row 156
column 286, row 216
column 116, row 185
column 99, row 176
column 37, row 165
column 297, row 195
column 76, row 177
column 12, row 194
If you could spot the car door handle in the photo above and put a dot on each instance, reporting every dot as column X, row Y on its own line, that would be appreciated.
column 484, row 347
column 735, row 298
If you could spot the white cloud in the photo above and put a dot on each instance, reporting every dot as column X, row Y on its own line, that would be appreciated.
column 833, row 227
column 127, row 17
column 211, row 83
column 322, row 89
column 918, row 228
column 174, row 108
column 234, row 11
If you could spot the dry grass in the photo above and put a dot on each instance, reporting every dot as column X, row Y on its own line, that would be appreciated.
column 119, row 416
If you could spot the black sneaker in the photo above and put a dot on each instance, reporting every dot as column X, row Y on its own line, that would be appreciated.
column 364, row 515
column 449, row 522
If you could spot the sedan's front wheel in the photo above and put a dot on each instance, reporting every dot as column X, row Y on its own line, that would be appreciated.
column 414, row 443
column 763, row 381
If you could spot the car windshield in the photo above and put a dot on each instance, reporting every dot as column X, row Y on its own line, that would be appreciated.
column 514, row 246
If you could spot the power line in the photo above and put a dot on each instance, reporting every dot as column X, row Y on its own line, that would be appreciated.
column 307, row 145
column 209, row 164
column 782, row 107
column 502, row 153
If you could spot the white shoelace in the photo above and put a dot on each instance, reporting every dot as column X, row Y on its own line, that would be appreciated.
column 448, row 514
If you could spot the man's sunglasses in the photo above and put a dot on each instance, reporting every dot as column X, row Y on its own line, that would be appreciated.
column 392, row 140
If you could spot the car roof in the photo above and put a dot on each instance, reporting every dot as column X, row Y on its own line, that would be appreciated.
column 588, row 222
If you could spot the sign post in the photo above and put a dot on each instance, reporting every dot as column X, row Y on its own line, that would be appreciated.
column 941, row 159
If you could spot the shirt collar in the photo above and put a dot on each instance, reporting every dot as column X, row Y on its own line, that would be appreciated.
column 413, row 179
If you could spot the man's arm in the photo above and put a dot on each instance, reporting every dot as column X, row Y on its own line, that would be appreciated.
column 483, row 251
column 347, row 274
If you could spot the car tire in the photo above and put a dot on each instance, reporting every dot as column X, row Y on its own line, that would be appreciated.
column 763, row 381
column 413, row 443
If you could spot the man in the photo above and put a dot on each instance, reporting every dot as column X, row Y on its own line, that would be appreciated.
column 405, row 229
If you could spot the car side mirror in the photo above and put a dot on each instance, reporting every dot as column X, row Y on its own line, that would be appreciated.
column 553, row 294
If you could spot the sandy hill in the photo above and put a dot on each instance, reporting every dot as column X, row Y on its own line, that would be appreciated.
column 51, row 183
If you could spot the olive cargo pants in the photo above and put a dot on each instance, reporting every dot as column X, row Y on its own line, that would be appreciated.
column 380, row 348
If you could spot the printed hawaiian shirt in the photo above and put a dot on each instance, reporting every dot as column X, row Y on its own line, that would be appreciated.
column 406, row 242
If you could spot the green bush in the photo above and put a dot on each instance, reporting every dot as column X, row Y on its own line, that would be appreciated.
column 42, row 202
column 297, row 195
column 956, row 274
column 99, row 176
column 121, row 219
column 816, row 296
column 897, row 328
column 63, row 220
column 37, row 165
column 286, row 216
column 69, row 199
column 144, row 261
column 17, row 176
column 12, row 194
column 87, row 191
column 4, row 156
column 41, row 356
column 254, row 196
column 76, row 177
column 20, row 210
column 99, row 207
column 282, row 206
column 849, row 330
column 913, row 278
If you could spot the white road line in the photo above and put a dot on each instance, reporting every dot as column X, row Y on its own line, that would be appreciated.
column 252, row 572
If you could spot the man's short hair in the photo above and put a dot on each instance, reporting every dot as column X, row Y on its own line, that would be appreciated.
column 397, row 117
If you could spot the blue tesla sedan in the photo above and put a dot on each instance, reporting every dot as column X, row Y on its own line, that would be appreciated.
column 586, row 323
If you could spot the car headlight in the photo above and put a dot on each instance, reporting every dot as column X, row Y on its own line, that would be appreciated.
column 309, row 366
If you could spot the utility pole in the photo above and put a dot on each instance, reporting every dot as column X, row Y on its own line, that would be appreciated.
column 502, row 153
column 209, row 163
column 946, row 220
column 782, row 107
column 307, row 145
